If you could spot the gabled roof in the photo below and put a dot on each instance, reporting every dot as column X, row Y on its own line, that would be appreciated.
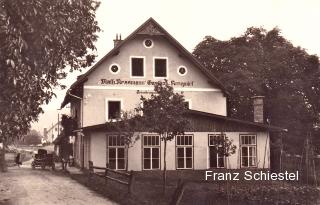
column 150, row 27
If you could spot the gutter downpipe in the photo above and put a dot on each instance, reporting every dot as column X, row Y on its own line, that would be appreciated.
column 81, row 134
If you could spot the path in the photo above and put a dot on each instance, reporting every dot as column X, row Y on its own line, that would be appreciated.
column 24, row 186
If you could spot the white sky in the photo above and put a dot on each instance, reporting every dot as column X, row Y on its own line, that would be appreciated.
column 189, row 21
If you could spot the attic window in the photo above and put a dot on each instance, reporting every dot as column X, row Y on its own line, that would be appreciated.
column 148, row 43
column 137, row 67
column 160, row 67
column 182, row 71
column 114, row 68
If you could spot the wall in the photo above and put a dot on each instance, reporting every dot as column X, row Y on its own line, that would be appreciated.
column 201, row 151
column 204, row 96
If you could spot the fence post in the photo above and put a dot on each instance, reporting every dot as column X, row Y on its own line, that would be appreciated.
column 106, row 173
column 90, row 169
column 131, row 182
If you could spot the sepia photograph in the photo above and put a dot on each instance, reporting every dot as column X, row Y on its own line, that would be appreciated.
column 159, row 102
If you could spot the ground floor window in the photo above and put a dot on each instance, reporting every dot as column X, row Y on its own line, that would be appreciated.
column 116, row 152
column 184, row 151
column 151, row 152
column 216, row 150
column 248, row 144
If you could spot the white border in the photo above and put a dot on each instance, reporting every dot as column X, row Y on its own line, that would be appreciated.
column 154, row 67
column 106, row 106
column 144, row 66
column 185, row 67
column 145, row 44
column 114, row 73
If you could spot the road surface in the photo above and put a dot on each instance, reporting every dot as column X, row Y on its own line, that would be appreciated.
column 24, row 186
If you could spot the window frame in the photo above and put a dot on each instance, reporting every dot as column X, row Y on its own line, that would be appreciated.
column 217, row 156
column 107, row 107
column 189, row 101
column 185, row 67
column 144, row 66
column 184, row 151
column 151, row 147
column 116, row 147
column 248, row 145
column 154, row 67
column 114, row 73
column 144, row 43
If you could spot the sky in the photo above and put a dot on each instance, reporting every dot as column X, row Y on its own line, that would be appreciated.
column 189, row 21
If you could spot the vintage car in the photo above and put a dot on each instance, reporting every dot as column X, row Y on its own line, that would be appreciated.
column 43, row 159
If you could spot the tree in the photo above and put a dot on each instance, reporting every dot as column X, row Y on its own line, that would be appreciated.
column 127, row 125
column 262, row 62
column 32, row 138
column 38, row 40
column 163, row 113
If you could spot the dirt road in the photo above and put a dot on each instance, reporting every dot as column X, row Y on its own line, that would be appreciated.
column 24, row 186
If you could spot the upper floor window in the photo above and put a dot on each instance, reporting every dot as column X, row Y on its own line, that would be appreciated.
column 113, row 108
column 160, row 67
column 148, row 43
column 114, row 68
column 137, row 66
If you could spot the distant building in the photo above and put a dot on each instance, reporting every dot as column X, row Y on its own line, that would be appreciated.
column 148, row 55
column 49, row 135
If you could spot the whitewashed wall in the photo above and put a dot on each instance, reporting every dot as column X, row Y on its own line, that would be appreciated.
column 201, row 151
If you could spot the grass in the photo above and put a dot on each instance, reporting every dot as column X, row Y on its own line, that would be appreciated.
column 148, row 190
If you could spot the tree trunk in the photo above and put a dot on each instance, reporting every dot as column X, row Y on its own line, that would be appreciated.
column 3, row 165
column 165, row 167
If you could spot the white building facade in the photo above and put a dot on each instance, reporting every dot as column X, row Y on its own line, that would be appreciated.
column 116, row 83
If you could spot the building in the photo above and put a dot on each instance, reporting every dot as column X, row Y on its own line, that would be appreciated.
column 49, row 135
column 130, row 70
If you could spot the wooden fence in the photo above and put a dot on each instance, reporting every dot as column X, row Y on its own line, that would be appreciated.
column 129, row 177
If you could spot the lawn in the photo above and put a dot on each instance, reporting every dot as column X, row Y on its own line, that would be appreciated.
column 148, row 190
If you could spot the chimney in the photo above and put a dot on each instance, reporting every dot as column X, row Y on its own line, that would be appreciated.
column 258, row 109
column 117, row 40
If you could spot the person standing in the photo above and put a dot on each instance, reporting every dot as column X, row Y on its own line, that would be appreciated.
column 18, row 159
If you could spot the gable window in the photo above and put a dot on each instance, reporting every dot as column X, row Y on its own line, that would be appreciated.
column 216, row 151
column 151, row 152
column 113, row 109
column 116, row 156
column 182, row 70
column 184, row 152
column 137, row 67
column 114, row 68
column 160, row 67
column 248, row 145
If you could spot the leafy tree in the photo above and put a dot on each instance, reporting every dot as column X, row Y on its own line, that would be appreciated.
column 262, row 62
column 128, row 125
column 38, row 40
column 32, row 138
column 163, row 113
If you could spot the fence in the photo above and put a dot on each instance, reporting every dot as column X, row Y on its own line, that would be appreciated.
column 129, row 177
column 309, row 171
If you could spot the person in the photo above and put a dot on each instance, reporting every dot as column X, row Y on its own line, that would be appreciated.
column 18, row 159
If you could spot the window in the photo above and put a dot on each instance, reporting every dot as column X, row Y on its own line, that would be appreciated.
column 148, row 43
column 137, row 67
column 187, row 104
column 151, row 152
column 160, row 67
column 116, row 156
column 248, row 145
column 216, row 151
column 182, row 71
column 114, row 68
column 113, row 109
column 184, row 152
